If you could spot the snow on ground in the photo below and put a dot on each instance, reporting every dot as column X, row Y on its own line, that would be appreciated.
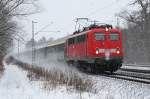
column 111, row 88
column 15, row 85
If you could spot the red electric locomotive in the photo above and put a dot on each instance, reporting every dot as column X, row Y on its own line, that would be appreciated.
column 98, row 47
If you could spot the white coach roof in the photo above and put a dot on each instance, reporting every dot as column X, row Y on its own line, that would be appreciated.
column 57, row 42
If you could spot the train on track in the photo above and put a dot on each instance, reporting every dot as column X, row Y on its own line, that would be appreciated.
column 95, row 48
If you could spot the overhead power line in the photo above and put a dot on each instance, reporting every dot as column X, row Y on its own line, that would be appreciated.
column 103, row 8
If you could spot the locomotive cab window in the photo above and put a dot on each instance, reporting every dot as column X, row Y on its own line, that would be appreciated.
column 99, row 36
column 114, row 36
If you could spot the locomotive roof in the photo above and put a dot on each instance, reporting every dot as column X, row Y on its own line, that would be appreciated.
column 95, row 29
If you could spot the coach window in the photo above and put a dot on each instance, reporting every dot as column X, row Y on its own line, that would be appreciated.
column 69, row 41
column 114, row 36
column 84, row 37
column 73, row 40
column 78, row 39
column 100, row 36
column 81, row 38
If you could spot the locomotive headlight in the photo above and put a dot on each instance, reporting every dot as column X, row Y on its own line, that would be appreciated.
column 118, row 52
column 97, row 51
column 106, row 29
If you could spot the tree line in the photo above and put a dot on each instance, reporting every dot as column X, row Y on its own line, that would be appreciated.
column 137, row 35
column 9, row 10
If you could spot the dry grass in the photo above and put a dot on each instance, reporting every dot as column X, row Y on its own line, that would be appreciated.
column 55, row 77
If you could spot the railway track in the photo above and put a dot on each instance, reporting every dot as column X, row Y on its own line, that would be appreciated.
column 135, row 70
column 135, row 75
column 124, row 75
column 131, row 75
column 137, row 65
column 141, row 76
column 129, row 78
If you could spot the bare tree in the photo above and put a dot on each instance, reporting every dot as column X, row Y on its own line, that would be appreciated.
column 8, row 27
column 141, row 16
column 138, row 33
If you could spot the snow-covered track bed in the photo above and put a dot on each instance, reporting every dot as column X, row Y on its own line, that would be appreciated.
column 123, row 75
column 138, row 65
column 130, row 76
column 134, row 74
column 135, row 70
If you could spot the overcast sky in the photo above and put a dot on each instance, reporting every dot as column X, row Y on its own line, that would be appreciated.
column 61, row 13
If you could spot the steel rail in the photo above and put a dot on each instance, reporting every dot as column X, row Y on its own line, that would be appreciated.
column 135, row 70
column 128, row 78
column 138, row 65
column 135, row 75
